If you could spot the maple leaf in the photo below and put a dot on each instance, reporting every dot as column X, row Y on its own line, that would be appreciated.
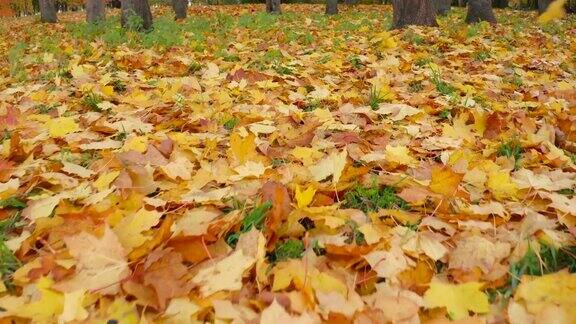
column 225, row 274
column 166, row 273
column 129, row 229
column 445, row 181
column 332, row 165
column 304, row 198
column 458, row 299
column 101, row 263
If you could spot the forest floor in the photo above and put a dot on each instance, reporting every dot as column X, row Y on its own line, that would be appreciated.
column 294, row 168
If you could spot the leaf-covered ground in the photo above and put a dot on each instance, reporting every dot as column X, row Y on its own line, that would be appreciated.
column 299, row 168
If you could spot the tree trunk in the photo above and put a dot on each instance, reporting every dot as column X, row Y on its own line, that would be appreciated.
column 350, row 2
column 331, row 7
column 442, row 6
column 180, row 7
column 543, row 5
column 48, row 11
column 136, row 14
column 480, row 10
column 500, row 3
column 95, row 11
column 273, row 6
column 413, row 12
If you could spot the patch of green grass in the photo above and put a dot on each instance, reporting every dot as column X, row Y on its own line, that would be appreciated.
column 120, row 136
column 8, row 262
column 312, row 105
column 511, row 149
column 231, row 123
column 5, row 135
column 291, row 249
column 413, row 38
column 443, row 87
column 91, row 101
column 15, row 59
column 374, row 98
column 423, row 61
column 355, row 62
column 573, row 158
column 44, row 109
column 166, row 33
column 373, row 198
column 445, row 113
column 547, row 260
column 12, row 202
column 254, row 218
column 481, row 56
column 276, row 162
column 119, row 86
column 282, row 69
column 194, row 67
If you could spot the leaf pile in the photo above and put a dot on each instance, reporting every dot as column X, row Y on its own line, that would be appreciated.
column 243, row 167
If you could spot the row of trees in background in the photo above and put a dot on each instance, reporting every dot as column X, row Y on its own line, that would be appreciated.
column 136, row 14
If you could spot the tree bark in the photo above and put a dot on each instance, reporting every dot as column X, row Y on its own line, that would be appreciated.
column 48, row 11
column 413, row 12
column 137, row 8
column 442, row 6
column 95, row 11
column 273, row 6
column 543, row 5
column 331, row 7
column 500, row 3
column 480, row 10
column 180, row 7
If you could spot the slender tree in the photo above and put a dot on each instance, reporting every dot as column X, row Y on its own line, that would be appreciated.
column 480, row 10
column 413, row 12
column 543, row 5
column 48, row 11
column 180, row 7
column 500, row 3
column 273, row 6
column 442, row 6
column 95, row 11
column 136, row 14
column 331, row 7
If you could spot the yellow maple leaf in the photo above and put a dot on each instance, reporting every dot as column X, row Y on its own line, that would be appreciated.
column 60, row 127
column 73, row 309
column 129, row 229
column 137, row 143
column 554, row 11
column 501, row 185
column 304, row 198
column 243, row 149
column 445, row 181
column 104, row 181
column 47, row 307
column 556, row 289
column 400, row 155
column 458, row 299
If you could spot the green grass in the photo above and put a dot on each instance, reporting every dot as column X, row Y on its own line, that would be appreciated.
column 511, row 149
column 91, row 101
column 15, row 59
column 8, row 262
column 291, row 249
column 374, row 98
column 12, row 202
column 443, row 87
column 230, row 123
column 370, row 199
column 254, row 219
column 537, row 263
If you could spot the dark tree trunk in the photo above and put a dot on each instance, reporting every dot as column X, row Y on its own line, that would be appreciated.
column 95, row 11
column 48, row 11
column 180, row 7
column 543, row 5
column 273, row 6
column 413, row 12
column 500, row 3
column 137, row 8
column 480, row 10
column 442, row 6
column 331, row 7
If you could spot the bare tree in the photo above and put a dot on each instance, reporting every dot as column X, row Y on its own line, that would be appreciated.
column 95, row 11
column 48, row 11
column 136, row 14
column 442, row 6
column 413, row 12
column 331, row 7
column 543, row 5
column 273, row 6
column 480, row 10
column 180, row 7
